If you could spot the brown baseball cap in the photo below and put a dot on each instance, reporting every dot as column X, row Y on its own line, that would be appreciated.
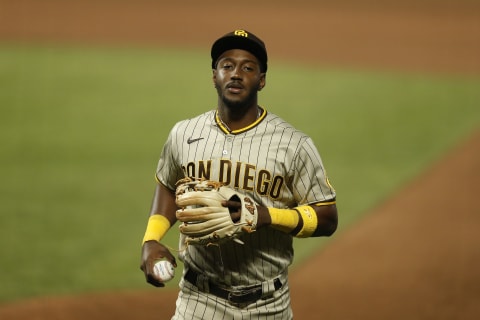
column 240, row 39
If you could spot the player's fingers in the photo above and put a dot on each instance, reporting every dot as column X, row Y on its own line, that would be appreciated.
column 171, row 259
column 231, row 204
column 235, row 209
column 236, row 216
column 150, row 276
column 154, row 281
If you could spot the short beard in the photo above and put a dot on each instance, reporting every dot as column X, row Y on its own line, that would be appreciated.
column 236, row 106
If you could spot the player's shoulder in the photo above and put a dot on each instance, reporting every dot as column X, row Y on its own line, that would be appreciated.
column 203, row 119
column 276, row 122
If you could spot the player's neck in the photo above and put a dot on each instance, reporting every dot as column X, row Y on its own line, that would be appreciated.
column 234, row 119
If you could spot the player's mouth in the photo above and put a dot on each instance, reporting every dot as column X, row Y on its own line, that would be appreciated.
column 234, row 87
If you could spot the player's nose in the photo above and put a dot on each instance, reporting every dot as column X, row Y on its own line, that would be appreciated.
column 236, row 73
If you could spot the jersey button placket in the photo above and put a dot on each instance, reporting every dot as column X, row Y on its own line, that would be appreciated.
column 227, row 146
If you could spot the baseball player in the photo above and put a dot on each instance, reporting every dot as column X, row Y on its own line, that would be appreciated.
column 264, row 160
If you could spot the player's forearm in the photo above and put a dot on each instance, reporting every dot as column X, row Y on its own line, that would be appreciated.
column 162, row 214
column 302, row 221
column 157, row 227
column 327, row 220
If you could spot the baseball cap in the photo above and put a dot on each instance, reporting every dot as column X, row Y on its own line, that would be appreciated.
column 240, row 39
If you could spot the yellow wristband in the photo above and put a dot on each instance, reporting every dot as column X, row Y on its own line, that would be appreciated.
column 300, row 222
column 157, row 226
column 310, row 221
column 285, row 220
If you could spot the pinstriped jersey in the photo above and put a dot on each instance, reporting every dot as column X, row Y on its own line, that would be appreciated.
column 271, row 161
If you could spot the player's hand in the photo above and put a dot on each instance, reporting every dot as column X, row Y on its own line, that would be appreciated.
column 235, row 208
column 152, row 251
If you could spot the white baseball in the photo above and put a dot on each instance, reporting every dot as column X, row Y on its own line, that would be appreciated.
column 164, row 270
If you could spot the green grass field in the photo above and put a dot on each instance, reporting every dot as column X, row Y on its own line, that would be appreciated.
column 81, row 130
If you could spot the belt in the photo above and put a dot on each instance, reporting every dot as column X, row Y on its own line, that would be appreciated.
column 250, row 294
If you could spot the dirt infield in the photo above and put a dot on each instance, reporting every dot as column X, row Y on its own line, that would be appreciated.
column 414, row 257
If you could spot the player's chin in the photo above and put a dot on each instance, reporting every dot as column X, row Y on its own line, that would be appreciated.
column 234, row 96
column 234, row 100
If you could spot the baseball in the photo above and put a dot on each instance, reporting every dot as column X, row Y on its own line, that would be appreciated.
column 164, row 270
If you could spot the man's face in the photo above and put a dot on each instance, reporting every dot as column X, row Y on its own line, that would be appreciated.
column 238, row 77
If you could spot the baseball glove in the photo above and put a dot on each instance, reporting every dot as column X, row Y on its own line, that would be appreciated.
column 204, row 220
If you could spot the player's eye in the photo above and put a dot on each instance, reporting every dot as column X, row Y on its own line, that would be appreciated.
column 227, row 66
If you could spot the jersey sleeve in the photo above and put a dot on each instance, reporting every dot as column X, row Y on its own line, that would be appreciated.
column 310, row 180
column 168, row 171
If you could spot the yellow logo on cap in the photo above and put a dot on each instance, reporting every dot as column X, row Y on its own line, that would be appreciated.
column 241, row 33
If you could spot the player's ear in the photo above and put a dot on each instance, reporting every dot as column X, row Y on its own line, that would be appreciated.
column 214, row 77
column 263, row 82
